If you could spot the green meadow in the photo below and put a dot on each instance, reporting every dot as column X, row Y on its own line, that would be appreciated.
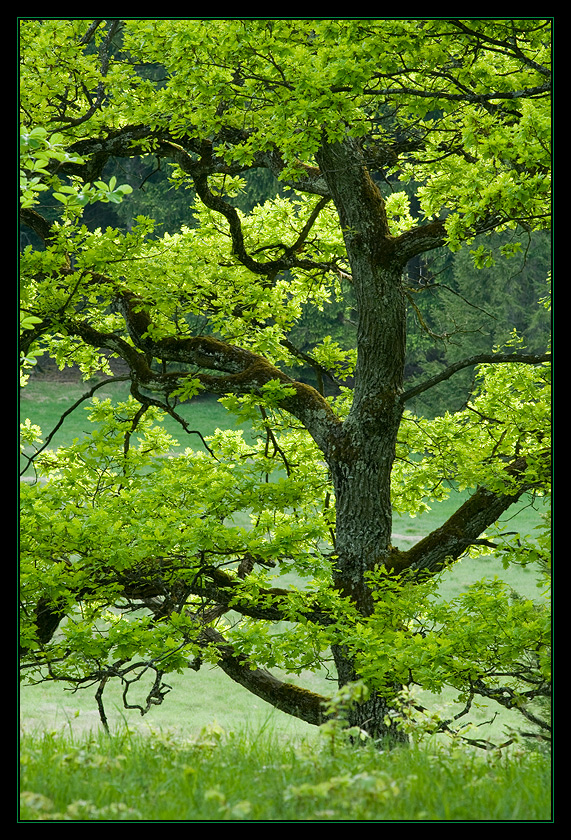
column 255, row 775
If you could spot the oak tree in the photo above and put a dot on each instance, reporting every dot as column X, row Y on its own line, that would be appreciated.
column 382, row 141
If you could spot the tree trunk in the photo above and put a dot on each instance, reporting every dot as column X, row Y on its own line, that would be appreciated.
column 372, row 715
column 361, row 462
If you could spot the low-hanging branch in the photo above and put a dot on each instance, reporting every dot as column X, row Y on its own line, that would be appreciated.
column 292, row 699
column 158, row 578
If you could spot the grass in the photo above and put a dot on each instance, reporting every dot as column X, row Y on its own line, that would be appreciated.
column 254, row 775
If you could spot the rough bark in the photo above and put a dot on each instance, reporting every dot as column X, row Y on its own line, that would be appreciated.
column 361, row 461
column 374, row 714
column 294, row 700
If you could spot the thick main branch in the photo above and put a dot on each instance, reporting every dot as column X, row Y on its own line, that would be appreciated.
column 292, row 699
column 449, row 542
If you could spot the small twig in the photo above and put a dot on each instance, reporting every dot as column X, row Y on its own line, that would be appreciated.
column 272, row 437
column 147, row 401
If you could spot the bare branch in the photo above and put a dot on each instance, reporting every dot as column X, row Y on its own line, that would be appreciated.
column 508, row 47
column 479, row 359
column 90, row 32
column 526, row 93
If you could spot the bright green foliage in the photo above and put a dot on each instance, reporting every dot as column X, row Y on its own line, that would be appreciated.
column 160, row 557
column 128, row 508
column 37, row 151
column 509, row 410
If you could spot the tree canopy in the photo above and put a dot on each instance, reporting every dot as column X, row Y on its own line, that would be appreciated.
column 317, row 161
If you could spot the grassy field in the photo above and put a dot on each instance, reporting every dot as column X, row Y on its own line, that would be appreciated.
column 67, row 723
column 252, row 775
